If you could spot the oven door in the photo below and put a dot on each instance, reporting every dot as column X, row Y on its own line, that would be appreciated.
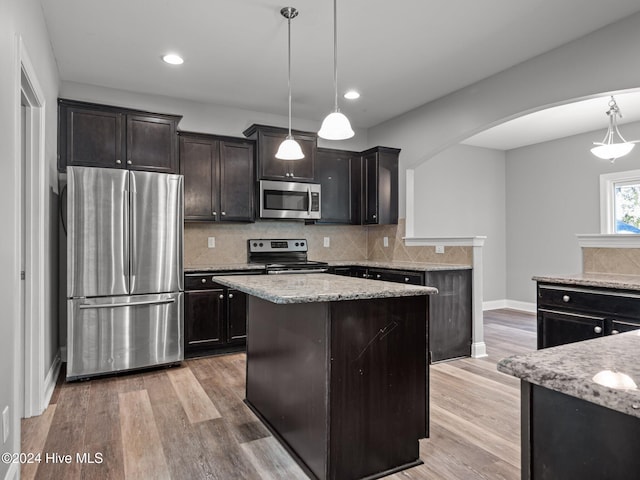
column 289, row 200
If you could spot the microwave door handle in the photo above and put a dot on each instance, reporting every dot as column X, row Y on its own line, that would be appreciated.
column 309, row 200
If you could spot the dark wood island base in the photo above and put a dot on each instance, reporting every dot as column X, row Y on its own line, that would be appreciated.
column 343, row 384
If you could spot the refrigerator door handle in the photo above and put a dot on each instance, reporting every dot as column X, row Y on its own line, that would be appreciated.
column 125, row 239
column 134, row 229
column 130, row 304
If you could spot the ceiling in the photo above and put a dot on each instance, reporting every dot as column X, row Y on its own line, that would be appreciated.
column 399, row 55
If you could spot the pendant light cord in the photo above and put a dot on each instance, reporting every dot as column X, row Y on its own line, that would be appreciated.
column 335, row 51
column 289, row 66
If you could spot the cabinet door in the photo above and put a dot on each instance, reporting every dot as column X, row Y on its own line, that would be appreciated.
column 387, row 188
column 450, row 315
column 370, row 194
column 619, row 326
column 333, row 172
column 559, row 328
column 397, row 276
column 236, row 181
column 199, row 165
column 94, row 138
column 151, row 144
column 236, row 316
column 203, row 319
column 272, row 168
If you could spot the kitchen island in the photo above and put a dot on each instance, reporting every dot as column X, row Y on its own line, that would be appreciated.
column 580, row 408
column 337, row 370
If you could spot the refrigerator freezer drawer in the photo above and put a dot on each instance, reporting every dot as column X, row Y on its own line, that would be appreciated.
column 113, row 334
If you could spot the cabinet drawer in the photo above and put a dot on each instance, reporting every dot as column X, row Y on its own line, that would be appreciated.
column 590, row 300
column 398, row 276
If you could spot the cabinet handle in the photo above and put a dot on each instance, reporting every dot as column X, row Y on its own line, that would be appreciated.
column 378, row 276
column 214, row 213
column 406, row 279
column 614, row 332
column 224, row 213
column 118, row 162
column 364, row 275
column 373, row 216
column 566, row 298
column 129, row 162
column 597, row 329
column 231, row 295
column 204, row 280
column 221, row 296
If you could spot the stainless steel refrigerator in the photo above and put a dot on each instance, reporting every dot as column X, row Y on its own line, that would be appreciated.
column 124, row 270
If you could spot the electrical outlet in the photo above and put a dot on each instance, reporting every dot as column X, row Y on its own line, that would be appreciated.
column 439, row 248
column 385, row 241
column 5, row 424
column 211, row 242
column 327, row 242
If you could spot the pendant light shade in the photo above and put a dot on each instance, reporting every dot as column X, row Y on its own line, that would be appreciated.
column 609, row 148
column 336, row 125
column 289, row 149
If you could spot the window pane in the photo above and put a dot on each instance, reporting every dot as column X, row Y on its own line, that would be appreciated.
column 627, row 207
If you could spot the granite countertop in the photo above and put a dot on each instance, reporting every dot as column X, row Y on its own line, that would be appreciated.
column 602, row 280
column 225, row 267
column 571, row 369
column 418, row 266
column 318, row 287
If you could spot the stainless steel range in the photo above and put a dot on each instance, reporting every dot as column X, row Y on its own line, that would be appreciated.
column 283, row 256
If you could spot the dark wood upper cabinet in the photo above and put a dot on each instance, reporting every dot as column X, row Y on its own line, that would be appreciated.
column 95, row 135
column 340, row 181
column 151, row 144
column 218, row 178
column 268, row 139
column 380, row 186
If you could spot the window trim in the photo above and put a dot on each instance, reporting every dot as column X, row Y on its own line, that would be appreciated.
column 607, row 182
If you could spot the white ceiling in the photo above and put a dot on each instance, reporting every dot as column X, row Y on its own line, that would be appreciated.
column 398, row 54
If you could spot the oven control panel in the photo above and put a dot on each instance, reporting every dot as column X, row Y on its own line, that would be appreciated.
column 262, row 245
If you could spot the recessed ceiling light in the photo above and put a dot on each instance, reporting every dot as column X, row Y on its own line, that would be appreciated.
column 351, row 95
column 173, row 59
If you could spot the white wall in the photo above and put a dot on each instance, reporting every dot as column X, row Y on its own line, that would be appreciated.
column 201, row 117
column 579, row 69
column 461, row 192
column 23, row 18
column 553, row 193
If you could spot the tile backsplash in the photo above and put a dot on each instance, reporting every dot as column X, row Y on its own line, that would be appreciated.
column 347, row 242
column 624, row 261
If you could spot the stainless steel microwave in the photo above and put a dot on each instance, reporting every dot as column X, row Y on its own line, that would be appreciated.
column 289, row 200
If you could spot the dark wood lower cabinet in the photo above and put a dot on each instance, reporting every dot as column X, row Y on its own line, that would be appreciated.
column 343, row 385
column 564, row 437
column 215, row 316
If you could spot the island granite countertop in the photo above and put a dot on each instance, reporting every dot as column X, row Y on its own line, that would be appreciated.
column 604, row 371
column 599, row 280
column 318, row 287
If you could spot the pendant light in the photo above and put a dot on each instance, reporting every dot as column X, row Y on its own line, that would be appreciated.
column 336, row 125
column 608, row 149
column 289, row 149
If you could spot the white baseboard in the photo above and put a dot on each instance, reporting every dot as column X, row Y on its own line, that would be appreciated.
column 478, row 350
column 50, row 380
column 12, row 473
column 511, row 304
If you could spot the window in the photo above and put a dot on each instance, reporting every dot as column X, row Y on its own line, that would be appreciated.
column 620, row 202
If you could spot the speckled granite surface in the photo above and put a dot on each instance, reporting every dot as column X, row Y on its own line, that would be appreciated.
column 225, row 267
column 417, row 266
column 571, row 369
column 602, row 280
column 318, row 287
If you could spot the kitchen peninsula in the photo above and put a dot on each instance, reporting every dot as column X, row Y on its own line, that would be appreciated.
column 337, row 369
column 580, row 408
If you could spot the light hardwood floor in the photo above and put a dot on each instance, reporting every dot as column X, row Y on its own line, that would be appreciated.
column 190, row 422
